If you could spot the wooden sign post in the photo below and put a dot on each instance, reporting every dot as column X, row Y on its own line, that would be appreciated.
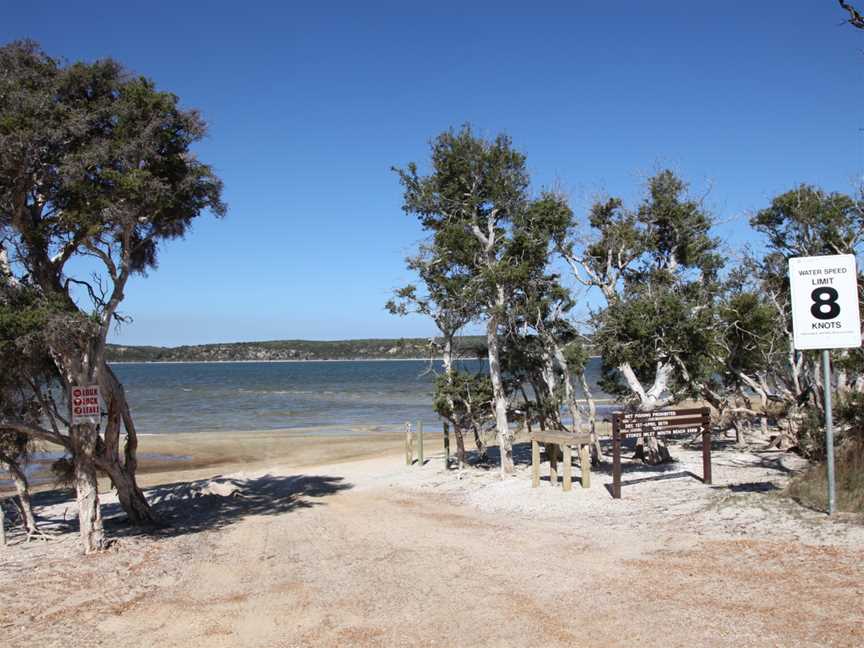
column 678, row 421
column 409, row 450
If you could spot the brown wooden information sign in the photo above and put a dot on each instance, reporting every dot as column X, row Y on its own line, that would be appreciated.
column 672, row 421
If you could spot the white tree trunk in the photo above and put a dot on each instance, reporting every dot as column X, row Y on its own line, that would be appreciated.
column 122, row 470
column 550, row 379
column 662, row 375
column 482, row 454
column 596, row 453
column 460, row 447
column 569, row 389
column 650, row 449
column 502, row 427
column 87, row 488
column 653, row 398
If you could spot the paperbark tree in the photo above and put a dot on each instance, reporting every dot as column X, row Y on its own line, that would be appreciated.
column 657, row 269
column 805, row 221
column 27, row 376
column 601, row 264
column 448, row 303
column 465, row 399
column 94, row 162
column 14, row 454
column 542, row 306
column 476, row 206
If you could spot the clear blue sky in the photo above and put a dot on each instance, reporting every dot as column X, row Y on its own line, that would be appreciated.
column 310, row 106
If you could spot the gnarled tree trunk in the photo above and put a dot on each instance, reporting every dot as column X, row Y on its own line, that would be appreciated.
column 23, row 489
column 460, row 447
column 482, row 455
column 87, row 487
column 650, row 449
column 122, row 471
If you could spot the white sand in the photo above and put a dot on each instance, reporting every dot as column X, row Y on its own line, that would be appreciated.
column 374, row 553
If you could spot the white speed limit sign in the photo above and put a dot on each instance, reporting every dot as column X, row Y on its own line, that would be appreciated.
column 825, row 302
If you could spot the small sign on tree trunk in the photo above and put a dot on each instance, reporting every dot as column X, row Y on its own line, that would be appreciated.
column 86, row 404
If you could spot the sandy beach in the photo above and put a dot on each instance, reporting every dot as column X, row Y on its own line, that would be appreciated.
column 371, row 552
column 167, row 458
column 197, row 455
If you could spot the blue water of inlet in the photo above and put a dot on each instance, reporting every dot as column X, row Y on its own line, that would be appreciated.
column 246, row 396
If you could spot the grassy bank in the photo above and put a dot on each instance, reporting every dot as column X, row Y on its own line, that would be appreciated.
column 811, row 487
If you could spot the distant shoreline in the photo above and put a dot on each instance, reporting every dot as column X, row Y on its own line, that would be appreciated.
column 262, row 360
column 125, row 362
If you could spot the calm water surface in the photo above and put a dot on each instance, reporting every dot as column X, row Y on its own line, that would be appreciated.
column 357, row 397
column 195, row 397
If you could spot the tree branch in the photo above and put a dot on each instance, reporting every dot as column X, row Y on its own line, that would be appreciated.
column 856, row 19
column 35, row 432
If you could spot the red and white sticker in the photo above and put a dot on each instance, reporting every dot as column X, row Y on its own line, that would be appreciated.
column 86, row 404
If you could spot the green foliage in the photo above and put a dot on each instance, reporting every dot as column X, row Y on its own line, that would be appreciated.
column 807, row 221
column 464, row 399
column 27, row 368
column 25, row 315
column 802, row 222
column 483, row 224
column 94, row 161
column 472, row 178
column 577, row 354
column 751, row 328
column 662, row 310
column 448, row 299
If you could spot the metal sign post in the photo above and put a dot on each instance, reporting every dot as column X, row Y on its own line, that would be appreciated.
column 825, row 315
column 829, row 429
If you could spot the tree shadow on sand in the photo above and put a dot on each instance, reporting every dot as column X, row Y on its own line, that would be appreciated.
column 521, row 456
column 206, row 504
column 192, row 507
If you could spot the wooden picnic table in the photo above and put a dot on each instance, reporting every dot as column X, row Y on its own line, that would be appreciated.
column 567, row 441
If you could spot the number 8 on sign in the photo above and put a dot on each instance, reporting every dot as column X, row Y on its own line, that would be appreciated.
column 823, row 297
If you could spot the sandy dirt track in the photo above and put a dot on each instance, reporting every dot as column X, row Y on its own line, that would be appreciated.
column 373, row 553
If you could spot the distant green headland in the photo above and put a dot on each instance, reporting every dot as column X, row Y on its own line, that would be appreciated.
column 370, row 349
